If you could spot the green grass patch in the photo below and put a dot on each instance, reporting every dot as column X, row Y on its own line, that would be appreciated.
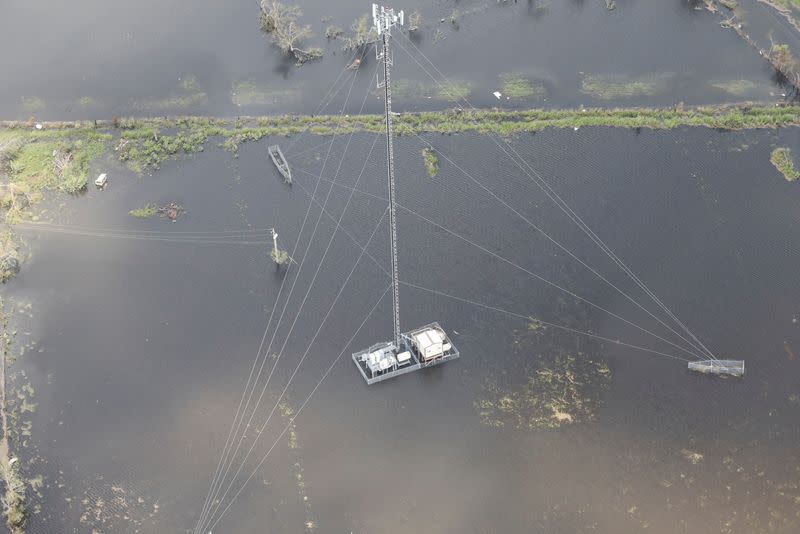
column 87, row 101
column 145, row 212
column 55, row 162
column 431, row 161
column 518, row 86
column 610, row 87
column 782, row 159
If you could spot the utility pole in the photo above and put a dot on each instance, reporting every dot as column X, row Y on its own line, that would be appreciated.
column 274, row 243
column 384, row 19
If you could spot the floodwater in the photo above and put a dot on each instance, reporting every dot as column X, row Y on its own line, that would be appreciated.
column 143, row 346
column 138, row 340
column 91, row 59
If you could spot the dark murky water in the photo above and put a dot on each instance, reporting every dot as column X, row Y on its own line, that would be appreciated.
column 145, row 344
column 142, row 345
column 91, row 59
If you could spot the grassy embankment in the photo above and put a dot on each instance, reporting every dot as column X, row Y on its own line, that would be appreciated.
column 782, row 159
column 58, row 157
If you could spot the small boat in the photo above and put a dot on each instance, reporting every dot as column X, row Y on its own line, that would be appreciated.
column 280, row 162
column 101, row 180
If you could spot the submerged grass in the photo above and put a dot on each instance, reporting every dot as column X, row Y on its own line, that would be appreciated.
column 608, row 88
column 782, row 159
column 249, row 93
column 518, row 86
column 33, row 103
column 412, row 89
column 736, row 87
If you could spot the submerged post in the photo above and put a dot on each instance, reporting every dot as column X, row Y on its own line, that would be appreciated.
column 384, row 19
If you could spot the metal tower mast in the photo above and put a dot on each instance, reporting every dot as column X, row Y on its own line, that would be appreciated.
column 384, row 19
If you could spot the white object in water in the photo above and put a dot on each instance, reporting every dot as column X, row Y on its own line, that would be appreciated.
column 497, row 94
column 101, row 180
column 719, row 367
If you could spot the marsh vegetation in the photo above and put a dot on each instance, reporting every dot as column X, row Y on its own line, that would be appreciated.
column 59, row 156
column 614, row 87
column 517, row 86
column 145, row 212
column 14, row 497
column 431, row 161
column 783, row 160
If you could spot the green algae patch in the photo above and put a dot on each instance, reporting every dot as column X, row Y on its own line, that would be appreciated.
column 431, row 161
column 519, row 87
column 782, row 159
column 560, row 393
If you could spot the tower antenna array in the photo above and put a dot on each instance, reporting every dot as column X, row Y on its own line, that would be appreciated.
column 428, row 345
column 384, row 19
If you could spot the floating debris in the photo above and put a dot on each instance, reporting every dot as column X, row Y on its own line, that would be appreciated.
column 555, row 395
